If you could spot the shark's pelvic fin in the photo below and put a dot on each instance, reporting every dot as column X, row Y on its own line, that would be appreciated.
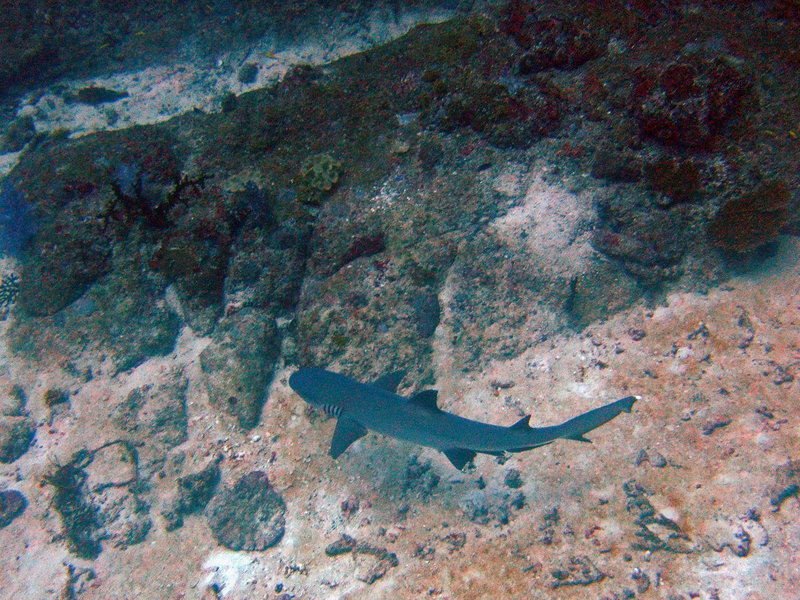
column 390, row 381
column 426, row 399
column 347, row 432
column 460, row 457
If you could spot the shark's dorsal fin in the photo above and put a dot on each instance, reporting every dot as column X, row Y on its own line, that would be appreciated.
column 425, row 399
column 523, row 423
column 459, row 457
column 390, row 381
column 347, row 432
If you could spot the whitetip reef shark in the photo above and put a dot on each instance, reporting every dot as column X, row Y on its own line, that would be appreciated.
column 376, row 406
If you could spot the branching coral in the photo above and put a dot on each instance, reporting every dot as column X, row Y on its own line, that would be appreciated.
column 9, row 289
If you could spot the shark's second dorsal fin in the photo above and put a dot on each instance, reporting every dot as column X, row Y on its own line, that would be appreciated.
column 347, row 432
column 523, row 423
column 425, row 399
column 390, row 381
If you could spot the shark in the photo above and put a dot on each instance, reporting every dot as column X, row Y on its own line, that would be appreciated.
column 359, row 407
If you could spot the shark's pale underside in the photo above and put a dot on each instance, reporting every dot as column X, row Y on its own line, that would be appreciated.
column 362, row 406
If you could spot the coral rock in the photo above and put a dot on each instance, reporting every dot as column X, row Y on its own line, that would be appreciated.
column 238, row 363
column 752, row 220
column 16, row 434
column 249, row 516
column 12, row 504
column 686, row 102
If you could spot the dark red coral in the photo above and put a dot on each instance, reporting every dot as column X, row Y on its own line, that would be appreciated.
column 514, row 19
column 366, row 245
column 549, row 43
column 749, row 221
column 679, row 180
column 679, row 81
column 688, row 101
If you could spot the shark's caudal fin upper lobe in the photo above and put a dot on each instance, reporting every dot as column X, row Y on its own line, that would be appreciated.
column 576, row 427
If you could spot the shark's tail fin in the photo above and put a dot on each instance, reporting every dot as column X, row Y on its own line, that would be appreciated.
column 575, row 428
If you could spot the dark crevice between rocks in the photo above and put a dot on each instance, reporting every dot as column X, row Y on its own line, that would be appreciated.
column 86, row 515
column 383, row 559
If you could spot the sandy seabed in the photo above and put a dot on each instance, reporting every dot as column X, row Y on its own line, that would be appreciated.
column 703, row 449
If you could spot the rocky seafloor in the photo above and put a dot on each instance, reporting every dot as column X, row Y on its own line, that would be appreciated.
column 533, row 209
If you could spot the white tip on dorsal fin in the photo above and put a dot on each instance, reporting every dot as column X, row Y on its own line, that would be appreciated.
column 425, row 399
column 390, row 381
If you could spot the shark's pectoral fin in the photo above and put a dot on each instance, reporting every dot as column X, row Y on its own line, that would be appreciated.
column 459, row 456
column 578, row 438
column 390, row 381
column 347, row 432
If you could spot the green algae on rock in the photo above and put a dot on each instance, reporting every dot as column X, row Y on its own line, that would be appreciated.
column 321, row 172
column 16, row 434
column 154, row 416
column 12, row 401
column 96, row 494
column 16, row 429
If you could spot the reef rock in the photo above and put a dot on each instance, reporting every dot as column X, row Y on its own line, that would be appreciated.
column 238, row 363
column 248, row 516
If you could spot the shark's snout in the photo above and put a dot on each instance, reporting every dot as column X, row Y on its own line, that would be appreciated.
column 300, row 381
column 311, row 383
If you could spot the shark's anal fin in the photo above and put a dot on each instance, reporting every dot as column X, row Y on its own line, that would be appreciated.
column 425, row 399
column 390, row 381
column 460, row 457
column 347, row 432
